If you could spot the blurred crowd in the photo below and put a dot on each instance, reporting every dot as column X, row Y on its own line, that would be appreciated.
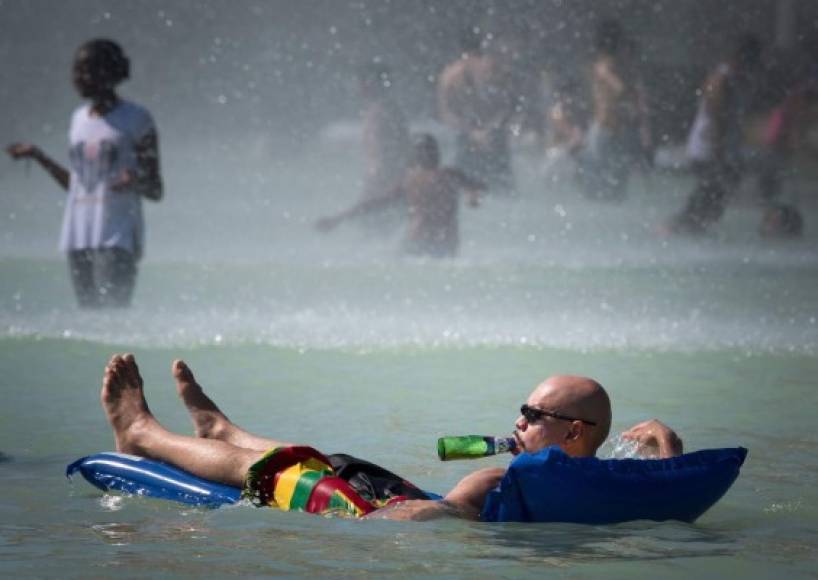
column 595, row 124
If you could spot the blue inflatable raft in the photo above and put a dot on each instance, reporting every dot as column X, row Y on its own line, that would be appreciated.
column 138, row 476
column 548, row 486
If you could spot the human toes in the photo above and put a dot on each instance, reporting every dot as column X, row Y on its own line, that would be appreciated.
column 115, row 367
column 131, row 370
column 181, row 371
column 112, row 381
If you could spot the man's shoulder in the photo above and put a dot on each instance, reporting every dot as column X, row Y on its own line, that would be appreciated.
column 453, row 71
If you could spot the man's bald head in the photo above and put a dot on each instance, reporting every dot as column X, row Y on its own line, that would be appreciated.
column 580, row 398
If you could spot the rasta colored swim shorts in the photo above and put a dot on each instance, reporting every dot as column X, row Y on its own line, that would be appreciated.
column 301, row 478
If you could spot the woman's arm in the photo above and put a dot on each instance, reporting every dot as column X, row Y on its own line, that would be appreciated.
column 147, row 179
column 28, row 151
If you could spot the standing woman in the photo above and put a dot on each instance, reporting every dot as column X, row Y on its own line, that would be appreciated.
column 113, row 163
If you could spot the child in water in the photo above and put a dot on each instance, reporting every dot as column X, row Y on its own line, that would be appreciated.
column 431, row 195
column 113, row 163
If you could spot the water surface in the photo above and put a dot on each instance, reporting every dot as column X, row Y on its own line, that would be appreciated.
column 341, row 343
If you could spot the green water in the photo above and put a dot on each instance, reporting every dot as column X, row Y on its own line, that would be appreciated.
column 390, row 406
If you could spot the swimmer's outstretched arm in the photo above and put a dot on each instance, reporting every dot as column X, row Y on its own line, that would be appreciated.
column 362, row 208
column 28, row 151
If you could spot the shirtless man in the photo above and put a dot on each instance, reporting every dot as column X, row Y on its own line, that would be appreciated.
column 385, row 132
column 571, row 412
column 431, row 193
column 473, row 99
column 619, row 134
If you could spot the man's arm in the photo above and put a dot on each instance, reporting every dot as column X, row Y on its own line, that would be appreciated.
column 470, row 493
column 417, row 510
column 464, row 501
column 655, row 439
column 643, row 112
column 605, row 74
column 471, row 186
column 361, row 208
column 714, row 97
column 446, row 87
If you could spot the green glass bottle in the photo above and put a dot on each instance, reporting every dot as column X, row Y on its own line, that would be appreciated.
column 473, row 446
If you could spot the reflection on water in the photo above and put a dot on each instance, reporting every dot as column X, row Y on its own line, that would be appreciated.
column 116, row 534
column 564, row 544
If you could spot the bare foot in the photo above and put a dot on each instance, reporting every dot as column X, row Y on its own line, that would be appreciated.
column 208, row 420
column 124, row 403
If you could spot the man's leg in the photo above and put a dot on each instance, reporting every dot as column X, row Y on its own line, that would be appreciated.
column 208, row 420
column 137, row 431
column 706, row 203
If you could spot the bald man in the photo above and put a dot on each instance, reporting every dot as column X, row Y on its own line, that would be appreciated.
column 571, row 412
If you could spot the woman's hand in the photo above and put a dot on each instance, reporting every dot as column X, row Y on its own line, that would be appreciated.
column 28, row 151
column 124, row 180
column 23, row 151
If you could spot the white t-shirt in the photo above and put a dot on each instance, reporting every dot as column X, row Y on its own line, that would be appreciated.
column 701, row 143
column 101, row 148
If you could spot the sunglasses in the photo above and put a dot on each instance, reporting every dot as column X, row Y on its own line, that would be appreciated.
column 533, row 414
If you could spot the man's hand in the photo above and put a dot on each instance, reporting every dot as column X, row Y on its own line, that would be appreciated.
column 655, row 439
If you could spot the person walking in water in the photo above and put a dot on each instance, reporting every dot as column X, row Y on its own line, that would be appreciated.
column 113, row 164
column 386, row 142
column 474, row 101
column 385, row 131
column 715, row 143
column 431, row 193
column 619, row 135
